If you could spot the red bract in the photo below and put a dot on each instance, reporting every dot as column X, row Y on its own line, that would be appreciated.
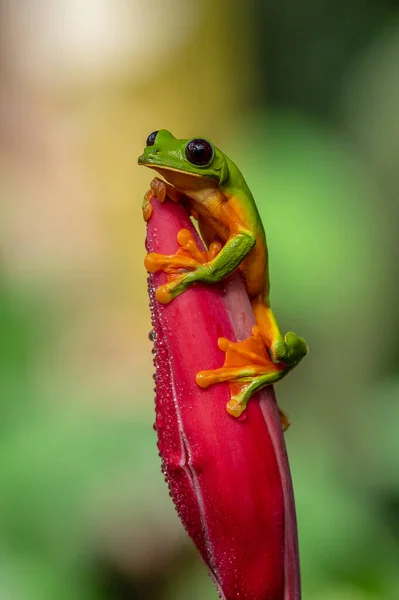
column 228, row 478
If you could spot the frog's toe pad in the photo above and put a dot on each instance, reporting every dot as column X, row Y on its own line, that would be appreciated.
column 235, row 408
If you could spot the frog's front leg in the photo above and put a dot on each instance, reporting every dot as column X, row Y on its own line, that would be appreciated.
column 190, row 265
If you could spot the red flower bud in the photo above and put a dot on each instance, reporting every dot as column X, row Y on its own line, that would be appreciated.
column 229, row 478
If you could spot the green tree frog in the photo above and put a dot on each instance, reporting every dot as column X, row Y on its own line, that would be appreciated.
column 215, row 193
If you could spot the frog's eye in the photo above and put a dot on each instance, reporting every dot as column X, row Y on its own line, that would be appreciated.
column 199, row 152
column 151, row 138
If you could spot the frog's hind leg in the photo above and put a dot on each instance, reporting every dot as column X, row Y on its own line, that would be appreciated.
column 248, row 368
column 262, row 359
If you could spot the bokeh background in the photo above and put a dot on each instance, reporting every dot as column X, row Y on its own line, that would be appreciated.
column 304, row 96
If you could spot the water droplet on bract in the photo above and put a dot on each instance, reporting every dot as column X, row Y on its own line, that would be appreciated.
column 151, row 335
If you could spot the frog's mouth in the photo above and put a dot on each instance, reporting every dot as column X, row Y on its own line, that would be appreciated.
column 182, row 180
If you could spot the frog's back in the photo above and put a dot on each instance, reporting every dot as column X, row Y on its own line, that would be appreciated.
column 239, row 196
column 236, row 190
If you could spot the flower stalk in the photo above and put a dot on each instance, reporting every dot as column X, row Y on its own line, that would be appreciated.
column 229, row 478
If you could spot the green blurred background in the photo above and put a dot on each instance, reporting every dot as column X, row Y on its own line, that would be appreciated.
column 305, row 97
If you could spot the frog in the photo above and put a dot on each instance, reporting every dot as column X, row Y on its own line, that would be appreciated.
column 213, row 190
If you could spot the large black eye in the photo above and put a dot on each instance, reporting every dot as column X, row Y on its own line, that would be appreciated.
column 151, row 138
column 199, row 152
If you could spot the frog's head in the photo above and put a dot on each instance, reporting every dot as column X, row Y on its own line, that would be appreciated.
column 186, row 164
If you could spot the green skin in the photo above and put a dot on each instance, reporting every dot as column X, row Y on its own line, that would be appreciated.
column 226, row 210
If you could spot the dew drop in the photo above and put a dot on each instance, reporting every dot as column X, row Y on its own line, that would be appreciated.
column 159, row 422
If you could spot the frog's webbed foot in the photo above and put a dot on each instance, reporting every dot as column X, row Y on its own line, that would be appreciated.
column 247, row 368
column 183, row 268
column 158, row 189
column 262, row 359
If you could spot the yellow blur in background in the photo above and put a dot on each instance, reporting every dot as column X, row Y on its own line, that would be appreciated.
column 305, row 100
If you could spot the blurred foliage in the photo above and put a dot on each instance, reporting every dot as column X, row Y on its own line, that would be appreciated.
column 305, row 97
column 68, row 476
